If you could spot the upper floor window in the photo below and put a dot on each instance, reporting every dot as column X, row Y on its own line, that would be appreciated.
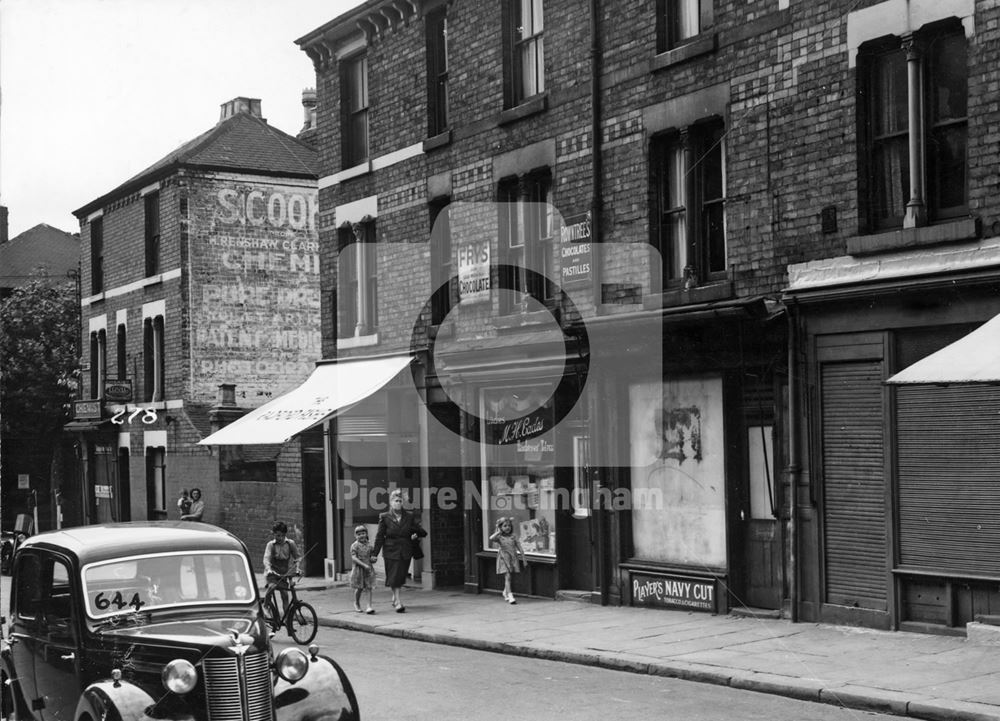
column 354, row 109
column 524, row 29
column 441, row 262
column 97, row 255
column 437, row 72
column 913, row 108
column 121, row 349
column 526, row 223
column 688, row 183
column 357, row 296
column 153, row 358
column 152, row 211
column 678, row 21
column 98, row 362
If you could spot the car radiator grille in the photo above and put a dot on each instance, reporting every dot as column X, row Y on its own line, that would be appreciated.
column 232, row 698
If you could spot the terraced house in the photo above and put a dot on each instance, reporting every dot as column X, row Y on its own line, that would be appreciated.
column 636, row 274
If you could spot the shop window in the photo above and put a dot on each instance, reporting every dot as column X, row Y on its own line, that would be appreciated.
column 153, row 358
column 519, row 466
column 913, row 115
column 98, row 362
column 441, row 262
column 354, row 110
column 437, row 71
column 526, row 223
column 97, row 255
column 525, row 56
column 156, row 488
column 679, row 21
column 678, row 465
column 688, row 224
column 152, row 225
column 357, row 266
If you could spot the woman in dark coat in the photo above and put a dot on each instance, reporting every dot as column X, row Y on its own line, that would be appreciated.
column 397, row 530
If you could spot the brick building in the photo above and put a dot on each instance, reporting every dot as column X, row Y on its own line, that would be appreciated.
column 200, row 301
column 757, row 212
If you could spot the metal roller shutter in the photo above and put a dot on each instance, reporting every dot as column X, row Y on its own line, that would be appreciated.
column 949, row 478
column 854, row 484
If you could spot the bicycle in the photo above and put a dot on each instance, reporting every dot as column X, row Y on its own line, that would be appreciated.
column 299, row 618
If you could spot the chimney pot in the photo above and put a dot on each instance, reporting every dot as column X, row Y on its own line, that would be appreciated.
column 309, row 107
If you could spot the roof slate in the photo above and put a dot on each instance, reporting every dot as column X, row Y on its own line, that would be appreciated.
column 240, row 143
column 43, row 247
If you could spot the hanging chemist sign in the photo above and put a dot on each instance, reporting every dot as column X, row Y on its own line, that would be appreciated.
column 474, row 272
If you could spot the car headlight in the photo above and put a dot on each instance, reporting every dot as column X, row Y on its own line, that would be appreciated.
column 291, row 664
column 179, row 676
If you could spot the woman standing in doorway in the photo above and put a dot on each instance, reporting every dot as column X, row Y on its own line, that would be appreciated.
column 397, row 529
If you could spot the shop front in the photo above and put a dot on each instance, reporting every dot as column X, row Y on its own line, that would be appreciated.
column 900, row 525
column 698, row 511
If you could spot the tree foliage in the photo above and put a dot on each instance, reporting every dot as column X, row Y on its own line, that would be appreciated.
column 39, row 360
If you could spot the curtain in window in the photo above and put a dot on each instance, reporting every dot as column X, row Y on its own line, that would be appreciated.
column 890, row 144
column 686, row 19
column 530, row 49
column 947, row 142
column 675, row 199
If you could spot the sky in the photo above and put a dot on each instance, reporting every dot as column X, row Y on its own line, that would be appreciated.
column 94, row 91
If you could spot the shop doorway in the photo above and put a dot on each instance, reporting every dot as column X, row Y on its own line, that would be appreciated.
column 762, row 558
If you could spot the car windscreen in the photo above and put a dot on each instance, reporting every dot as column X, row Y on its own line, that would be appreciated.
column 147, row 582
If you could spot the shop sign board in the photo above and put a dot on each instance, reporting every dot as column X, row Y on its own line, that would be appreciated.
column 86, row 409
column 671, row 591
column 102, row 491
column 474, row 272
column 575, row 249
column 118, row 391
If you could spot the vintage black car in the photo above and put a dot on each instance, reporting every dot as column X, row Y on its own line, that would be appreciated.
column 161, row 620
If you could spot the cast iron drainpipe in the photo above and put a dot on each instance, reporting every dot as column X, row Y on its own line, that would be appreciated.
column 595, row 225
column 794, row 468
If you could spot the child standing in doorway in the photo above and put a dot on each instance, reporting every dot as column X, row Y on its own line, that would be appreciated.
column 362, row 571
column 507, row 554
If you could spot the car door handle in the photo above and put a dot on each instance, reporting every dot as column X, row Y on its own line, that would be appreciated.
column 68, row 656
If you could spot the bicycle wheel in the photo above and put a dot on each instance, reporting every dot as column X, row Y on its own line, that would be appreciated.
column 302, row 623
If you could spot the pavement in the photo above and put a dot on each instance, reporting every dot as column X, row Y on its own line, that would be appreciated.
column 918, row 675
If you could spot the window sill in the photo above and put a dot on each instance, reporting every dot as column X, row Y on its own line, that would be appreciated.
column 355, row 171
column 518, row 320
column 955, row 231
column 700, row 45
column 358, row 341
column 437, row 141
column 680, row 297
column 535, row 104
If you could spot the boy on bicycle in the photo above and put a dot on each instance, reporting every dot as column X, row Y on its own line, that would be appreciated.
column 281, row 556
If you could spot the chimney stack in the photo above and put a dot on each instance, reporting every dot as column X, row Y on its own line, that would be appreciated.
column 235, row 106
column 4, row 230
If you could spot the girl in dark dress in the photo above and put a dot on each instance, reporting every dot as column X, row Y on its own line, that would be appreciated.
column 397, row 530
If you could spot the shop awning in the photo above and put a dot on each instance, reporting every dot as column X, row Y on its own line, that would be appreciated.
column 87, row 425
column 974, row 358
column 332, row 387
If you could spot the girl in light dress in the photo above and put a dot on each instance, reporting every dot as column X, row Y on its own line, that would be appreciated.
column 362, row 571
column 507, row 553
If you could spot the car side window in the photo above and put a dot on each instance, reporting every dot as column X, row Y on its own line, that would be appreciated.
column 59, row 606
column 28, row 592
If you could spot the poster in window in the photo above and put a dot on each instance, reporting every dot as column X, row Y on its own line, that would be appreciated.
column 678, row 472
